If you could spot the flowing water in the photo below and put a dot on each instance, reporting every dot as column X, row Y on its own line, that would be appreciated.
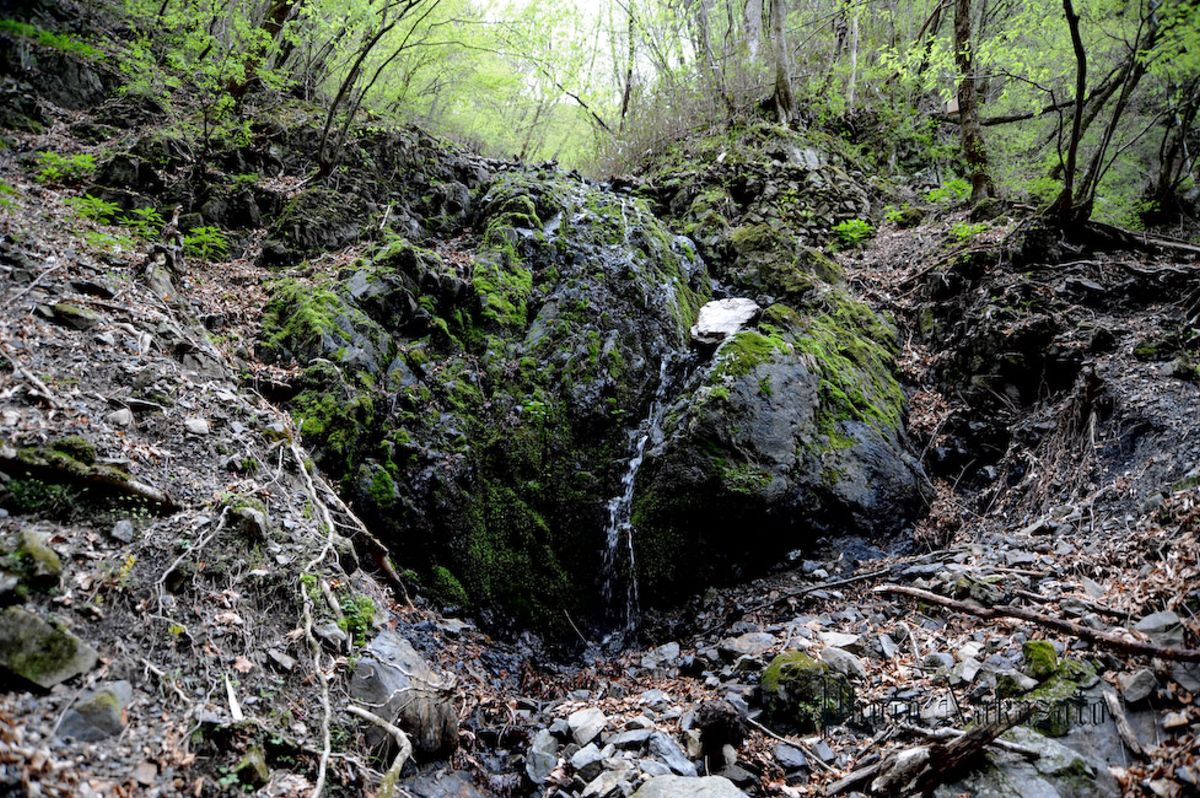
column 619, row 534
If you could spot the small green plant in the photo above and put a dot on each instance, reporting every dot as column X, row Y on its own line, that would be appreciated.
column 56, row 169
column 45, row 38
column 144, row 223
column 892, row 214
column 246, row 179
column 6, row 193
column 358, row 617
column 94, row 208
column 949, row 192
column 205, row 243
column 965, row 231
column 107, row 242
column 853, row 232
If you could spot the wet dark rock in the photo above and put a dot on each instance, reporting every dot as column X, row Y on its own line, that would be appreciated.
column 542, row 757
column 664, row 748
column 789, row 757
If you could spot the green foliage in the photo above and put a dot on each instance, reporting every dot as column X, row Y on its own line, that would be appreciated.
column 45, row 38
column 144, row 223
column 853, row 232
column 965, row 231
column 358, row 618
column 205, row 243
column 55, row 169
column 7, row 191
column 949, row 192
column 94, row 208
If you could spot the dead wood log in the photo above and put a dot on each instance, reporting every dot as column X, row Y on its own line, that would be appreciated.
column 1108, row 640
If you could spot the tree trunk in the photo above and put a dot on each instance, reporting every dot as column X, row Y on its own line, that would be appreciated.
column 852, row 85
column 752, row 23
column 785, row 104
column 974, row 150
column 1064, row 207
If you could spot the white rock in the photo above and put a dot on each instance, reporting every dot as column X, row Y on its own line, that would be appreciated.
column 121, row 418
column 843, row 662
column 683, row 787
column 839, row 640
column 586, row 724
column 196, row 426
column 720, row 319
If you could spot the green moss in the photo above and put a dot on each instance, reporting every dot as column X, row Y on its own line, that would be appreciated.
column 1041, row 660
column 445, row 588
column 748, row 479
column 76, row 448
column 804, row 692
column 742, row 353
column 300, row 318
column 358, row 617
column 1057, row 700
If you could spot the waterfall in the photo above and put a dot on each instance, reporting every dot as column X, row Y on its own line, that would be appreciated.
column 620, row 507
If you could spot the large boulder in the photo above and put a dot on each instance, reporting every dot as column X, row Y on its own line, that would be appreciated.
column 476, row 404
column 804, row 693
column 399, row 685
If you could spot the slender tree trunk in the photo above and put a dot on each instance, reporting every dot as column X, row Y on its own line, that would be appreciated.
column 785, row 104
column 1064, row 207
column 974, row 150
column 630, row 58
column 852, row 85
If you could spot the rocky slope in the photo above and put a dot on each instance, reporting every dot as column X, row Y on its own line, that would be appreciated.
column 267, row 488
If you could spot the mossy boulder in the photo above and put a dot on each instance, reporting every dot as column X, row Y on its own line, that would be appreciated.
column 792, row 431
column 1041, row 660
column 805, row 693
column 476, row 404
column 40, row 653
column 1060, row 701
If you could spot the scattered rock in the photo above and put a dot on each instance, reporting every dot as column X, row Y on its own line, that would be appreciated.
column 146, row 773
column 542, row 757
column 1137, row 686
column 666, row 749
column 252, row 770
column 751, row 644
column 40, row 653
column 682, row 787
column 250, row 522
column 588, row 762
column 1041, row 660
column 122, row 531
column 42, row 565
column 281, row 659
column 790, row 757
column 634, row 738
column 1164, row 628
column 840, row 640
column 609, row 784
column 68, row 315
column 843, row 662
column 196, row 426
column 719, row 724
column 120, row 418
column 586, row 724
column 393, row 678
column 98, row 714
column 938, row 661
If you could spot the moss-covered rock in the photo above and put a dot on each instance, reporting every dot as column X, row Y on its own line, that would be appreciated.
column 805, row 693
column 40, row 653
column 1041, row 660
column 476, row 404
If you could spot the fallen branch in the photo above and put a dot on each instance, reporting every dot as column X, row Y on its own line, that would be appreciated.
column 1123, row 728
column 387, row 786
column 808, row 752
column 1104, row 639
column 96, row 477
column 31, row 378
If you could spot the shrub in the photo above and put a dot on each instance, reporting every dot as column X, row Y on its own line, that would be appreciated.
column 965, row 231
column 205, row 243
column 949, row 192
column 94, row 208
column 58, row 169
column 144, row 223
column 853, row 232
